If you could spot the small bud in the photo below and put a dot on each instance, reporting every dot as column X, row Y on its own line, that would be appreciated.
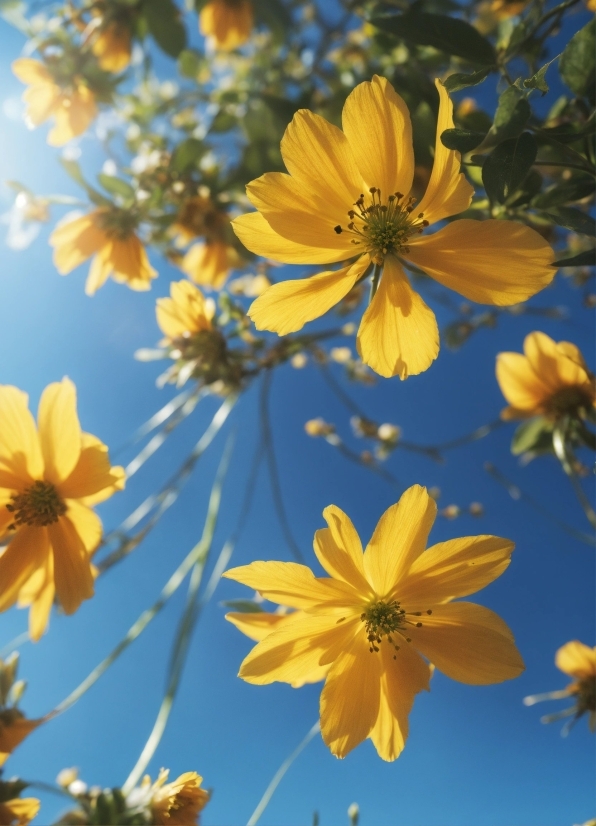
column 341, row 355
column 319, row 427
column 67, row 777
column 299, row 361
column 434, row 493
column 389, row 433
column 451, row 512
column 354, row 814
column 476, row 509
column 349, row 329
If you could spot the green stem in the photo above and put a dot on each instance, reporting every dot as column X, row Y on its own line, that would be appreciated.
column 567, row 459
column 375, row 281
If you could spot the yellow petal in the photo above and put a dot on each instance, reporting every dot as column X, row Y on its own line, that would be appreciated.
column 258, row 237
column 21, row 810
column 350, row 697
column 100, row 269
column 72, row 569
column 59, row 430
column 453, row 569
column 76, row 240
column 26, row 552
column 13, row 735
column 286, row 307
column 490, row 262
column 259, row 625
column 93, row 472
column 520, row 385
column 86, row 523
column 208, row 264
column 20, row 452
column 41, row 102
column 448, row 192
column 288, row 583
column 551, row 363
column 130, row 263
column 576, row 659
column 72, row 116
column 339, row 550
column 401, row 679
column 468, row 643
column 398, row 334
column 399, row 539
column 228, row 24
column 377, row 124
column 39, row 592
column 31, row 71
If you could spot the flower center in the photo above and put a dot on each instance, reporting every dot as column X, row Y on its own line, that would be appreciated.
column 386, row 619
column 568, row 400
column 383, row 228
column 586, row 696
column 38, row 505
column 117, row 223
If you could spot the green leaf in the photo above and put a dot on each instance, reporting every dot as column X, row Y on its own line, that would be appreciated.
column 223, row 122
column 116, row 186
column 187, row 154
column 513, row 112
column 567, row 134
column 189, row 63
column 582, row 259
column 244, row 606
column 578, row 62
column 448, row 34
column 274, row 15
column 74, row 170
column 533, row 435
column 459, row 80
column 538, row 81
column 572, row 219
column 506, row 167
column 461, row 139
column 165, row 25
column 566, row 192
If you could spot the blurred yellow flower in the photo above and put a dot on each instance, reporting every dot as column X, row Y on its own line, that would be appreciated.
column 112, row 45
column 178, row 803
column 16, row 811
column 373, row 617
column 50, row 478
column 550, row 379
column 14, row 727
column 71, row 105
column 108, row 235
column 185, row 313
column 227, row 23
column 347, row 195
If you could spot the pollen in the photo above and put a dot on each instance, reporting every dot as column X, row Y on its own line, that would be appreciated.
column 385, row 620
column 37, row 506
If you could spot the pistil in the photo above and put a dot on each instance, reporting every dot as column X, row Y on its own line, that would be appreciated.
column 386, row 619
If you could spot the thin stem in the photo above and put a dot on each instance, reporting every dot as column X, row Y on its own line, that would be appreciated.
column 14, row 644
column 567, row 459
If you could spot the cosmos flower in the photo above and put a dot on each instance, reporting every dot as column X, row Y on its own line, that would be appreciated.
column 227, row 23
column 108, row 235
column 347, row 195
column 50, row 477
column 377, row 615
column 71, row 103
column 186, row 312
column 172, row 804
column 550, row 379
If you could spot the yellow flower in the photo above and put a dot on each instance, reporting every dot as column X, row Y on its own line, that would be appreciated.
column 503, row 9
column 228, row 23
column 373, row 617
column 318, row 214
column 185, row 313
column 549, row 379
column 17, row 811
column 177, row 803
column 49, row 479
column 108, row 235
column 72, row 106
column 14, row 727
column 112, row 45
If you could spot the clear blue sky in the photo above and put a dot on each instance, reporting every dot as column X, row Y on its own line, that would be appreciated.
column 475, row 755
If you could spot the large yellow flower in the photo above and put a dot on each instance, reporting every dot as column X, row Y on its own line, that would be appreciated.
column 227, row 23
column 72, row 106
column 187, row 312
column 549, row 379
column 178, row 803
column 376, row 614
column 108, row 235
column 347, row 195
column 49, row 479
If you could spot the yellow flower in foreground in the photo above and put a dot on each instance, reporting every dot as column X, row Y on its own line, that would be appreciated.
column 347, row 194
column 49, row 480
column 376, row 614
column 108, row 235
column 178, row 803
column 549, row 379
column 113, row 45
column 185, row 313
column 72, row 106
column 228, row 23
column 16, row 811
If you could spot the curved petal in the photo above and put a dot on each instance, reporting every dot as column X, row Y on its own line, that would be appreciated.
column 286, row 307
column 72, row 116
column 100, row 269
column 131, row 265
column 350, row 698
column 404, row 674
column 399, row 539
column 377, row 124
column 86, row 523
column 31, row 71
column 576, row 659
column 288, row 583
column 339, row 550
column 39, row 592
column 295, row 649
column 448, row 192
column 520, row 385
column 398, row 334
column 490, row 262
column 73, row 576
column 13, row 734
column 318, row 155
column 208, row 264
column 41, row 102
column 256, row 626
column 258, row 237
column 59, row 430
column 454, row 569
column 22, row 810
column 468, row 643
column 551, row 363
column 24, row 555
column 93, row 472
column 20, row 451
column 75, row 240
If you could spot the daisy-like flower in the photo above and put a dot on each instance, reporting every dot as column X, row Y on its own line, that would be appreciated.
column 71, row 103
column 50, row 477
column 14, row 810
column 227, row 23
column 107, row 234
column 185, row 313
column 347, row 195
column 371, row 620
column 551, row 379
column 171, row 804
column 578, row 661
column 208, row 262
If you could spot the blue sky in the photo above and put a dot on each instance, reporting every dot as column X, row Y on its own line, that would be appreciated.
column 475, row 755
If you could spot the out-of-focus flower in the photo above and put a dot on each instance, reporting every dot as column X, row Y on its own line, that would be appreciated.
column 503, row 9
column 186, row 312
column 375, row 614
column 578, row 661
column 112, row 36
column 250, row 286
column 341, row 355
column 50, row 478
column 14, row 726
column 14, row 810
column 24, row 219
column 550, row 379
column 209, row 264
column 66, row 777
column 108, row 234
column 227, row 23
column 299, row 361
column 364, row 175
column 171, row 804
column 318, row 427
column 71, row 102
